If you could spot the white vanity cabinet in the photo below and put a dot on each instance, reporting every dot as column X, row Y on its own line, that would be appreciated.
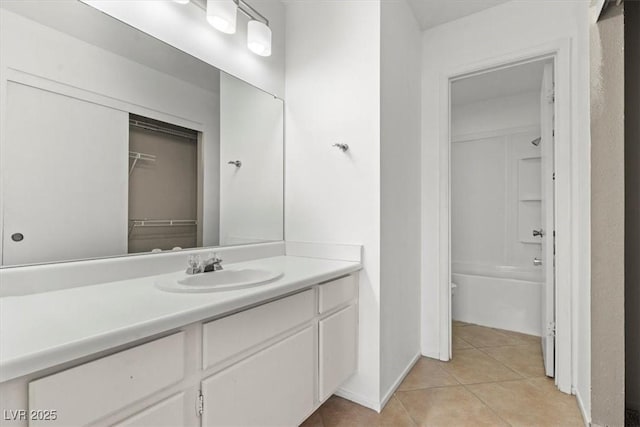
column 338, row 344
column 337, row 333
column 83, row 395
column 274, row 387
column 169, row 412
column 268, row 365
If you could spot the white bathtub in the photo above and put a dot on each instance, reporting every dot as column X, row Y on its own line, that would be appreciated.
column 501, row 297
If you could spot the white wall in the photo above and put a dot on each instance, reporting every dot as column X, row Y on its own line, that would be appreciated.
column 37, row 55
column 186, row 27
column 251, row 196
column 333, row 95
column 400, row 192
column 490, row 115
column 495, row 175
column 505, row 30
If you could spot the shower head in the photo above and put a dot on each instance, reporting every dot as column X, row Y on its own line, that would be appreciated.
column 536, row 141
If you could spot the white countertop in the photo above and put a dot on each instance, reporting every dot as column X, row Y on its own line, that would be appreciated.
column 42, row 330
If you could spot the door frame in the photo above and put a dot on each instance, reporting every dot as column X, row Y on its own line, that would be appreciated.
column 566, row 200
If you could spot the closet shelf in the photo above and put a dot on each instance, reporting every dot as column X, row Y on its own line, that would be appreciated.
column 530, row 199
column 136, row 223
column 136, row 156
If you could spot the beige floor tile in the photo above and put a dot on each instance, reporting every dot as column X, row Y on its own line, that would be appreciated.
column 457, row 323
column 472, row 366
column 523, row 338
column 458, row 343
column 341, row 412
column 495, row 392
column 532, row 402
column 427, row 373
column 447, row 406
column 479, row 336
column 524, row 359
column 315, row 420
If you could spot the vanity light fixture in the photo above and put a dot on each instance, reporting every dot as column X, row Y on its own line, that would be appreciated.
column 222, row 15
column 182, row 1
column 259, row 38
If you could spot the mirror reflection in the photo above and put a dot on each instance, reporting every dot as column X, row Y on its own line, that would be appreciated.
column 115, row 143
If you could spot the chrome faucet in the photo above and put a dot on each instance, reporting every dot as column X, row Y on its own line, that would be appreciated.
column 213, row 263
column 196, row 266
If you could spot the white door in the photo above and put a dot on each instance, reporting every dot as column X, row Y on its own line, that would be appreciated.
column 547, row 258
column 64, row 179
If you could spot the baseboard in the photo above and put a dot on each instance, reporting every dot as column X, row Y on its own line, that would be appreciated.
column 399, row 380
column 586, row 418
column 359, row 399
column 378, row 406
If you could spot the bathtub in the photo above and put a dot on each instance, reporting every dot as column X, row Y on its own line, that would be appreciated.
column 503, row 297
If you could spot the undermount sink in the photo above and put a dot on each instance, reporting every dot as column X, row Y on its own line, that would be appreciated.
column 222, row 280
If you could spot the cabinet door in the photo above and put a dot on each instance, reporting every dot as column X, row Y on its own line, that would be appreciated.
column 274, row 387
column 338, row 349
column 167, row 413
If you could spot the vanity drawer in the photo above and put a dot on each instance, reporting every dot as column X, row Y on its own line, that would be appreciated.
column 229, row 336
column 86, row 393
column 167, row 413
column 337, row 292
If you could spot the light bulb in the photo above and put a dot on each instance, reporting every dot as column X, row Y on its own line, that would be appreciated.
column 259, row 38
column 222, row 15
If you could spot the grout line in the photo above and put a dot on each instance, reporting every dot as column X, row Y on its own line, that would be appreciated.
column 487, row 405
column 415, row 423
column 432, row 387
column 507, row 345
column 505, row 365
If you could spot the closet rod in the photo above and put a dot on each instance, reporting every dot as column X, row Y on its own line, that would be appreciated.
column 156, row 128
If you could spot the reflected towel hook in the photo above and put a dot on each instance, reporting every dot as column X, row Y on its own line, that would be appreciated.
column 343, row 147
column 236, row 163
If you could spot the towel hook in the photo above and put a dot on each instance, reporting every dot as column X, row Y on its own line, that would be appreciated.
column 343, row 147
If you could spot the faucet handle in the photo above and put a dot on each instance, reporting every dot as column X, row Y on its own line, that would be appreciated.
column 212, row 257
column 194, row 261
column 195, row 265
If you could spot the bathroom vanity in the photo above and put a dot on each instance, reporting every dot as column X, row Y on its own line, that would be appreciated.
column 266, row 355
column 142, row 154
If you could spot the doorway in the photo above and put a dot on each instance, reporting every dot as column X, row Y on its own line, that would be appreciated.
column 163, row 186
column 502, row 209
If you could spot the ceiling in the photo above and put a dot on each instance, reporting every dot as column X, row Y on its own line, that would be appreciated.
column 497, row 84
column 435, row 12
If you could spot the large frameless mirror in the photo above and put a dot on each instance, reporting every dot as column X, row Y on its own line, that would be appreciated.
column 114, row 143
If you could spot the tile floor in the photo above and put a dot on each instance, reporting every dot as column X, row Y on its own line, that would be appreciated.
column 496, row 378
